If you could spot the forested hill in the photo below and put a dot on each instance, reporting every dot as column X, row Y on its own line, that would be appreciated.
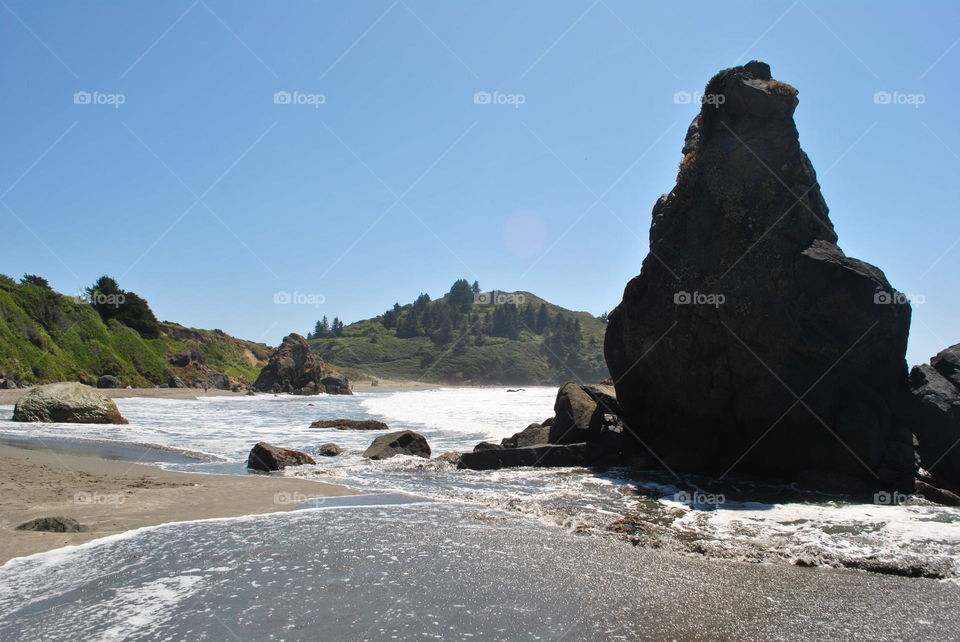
column 469, row 336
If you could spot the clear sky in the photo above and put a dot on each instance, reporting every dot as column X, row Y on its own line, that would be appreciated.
column 383, row 177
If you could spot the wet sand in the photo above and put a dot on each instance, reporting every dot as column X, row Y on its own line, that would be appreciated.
column 111, row 496
column 440, row 570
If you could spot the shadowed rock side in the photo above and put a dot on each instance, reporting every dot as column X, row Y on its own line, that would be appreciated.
column 745, row 303
column 936, row 417
column 292, row 368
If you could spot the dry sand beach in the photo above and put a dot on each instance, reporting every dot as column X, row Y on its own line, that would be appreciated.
column 111, row 497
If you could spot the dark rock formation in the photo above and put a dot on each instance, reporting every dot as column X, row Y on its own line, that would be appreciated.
column 292, row 368
column 336, row 384
column 53, row 525
column 219, row 381
column 108, row 381
column 486, row 445
column 329, row 450
column 267, row 457
column 573, row 409
column 177, row 382
column 403, row 442
column 745, row 303
column 68, row 402
column 530, row 436
column 350, row 424
column 935, row 416
column 539, row 456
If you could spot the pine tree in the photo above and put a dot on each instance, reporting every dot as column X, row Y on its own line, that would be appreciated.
column 543, row 319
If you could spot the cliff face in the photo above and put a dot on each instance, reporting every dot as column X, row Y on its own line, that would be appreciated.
column 749, row 341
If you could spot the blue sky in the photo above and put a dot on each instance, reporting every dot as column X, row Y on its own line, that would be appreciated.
column 206, row 197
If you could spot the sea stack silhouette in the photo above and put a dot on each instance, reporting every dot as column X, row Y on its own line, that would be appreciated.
column 750, row 343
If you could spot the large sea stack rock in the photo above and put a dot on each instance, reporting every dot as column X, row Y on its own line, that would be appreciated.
column 293, row 368
column 69, row 402
column 745, row 304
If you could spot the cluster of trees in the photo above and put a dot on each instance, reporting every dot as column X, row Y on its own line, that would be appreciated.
column 323, row 329
column 127, row 307
column 456, row 315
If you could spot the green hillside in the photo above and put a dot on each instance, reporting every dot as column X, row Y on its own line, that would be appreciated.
column 468, row 336
column 46, row 336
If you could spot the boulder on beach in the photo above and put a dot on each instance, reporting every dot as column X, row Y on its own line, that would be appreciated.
column 750, row 342
column 329, row 450
column 267, row 457
column 573, row 409
column 336, row 384
column 350, row 424
column 108, row 381
column 68, row 402
column 177, row 382
column 53, row 525
column 403, row 442
column 292, row 368
column 549, row 455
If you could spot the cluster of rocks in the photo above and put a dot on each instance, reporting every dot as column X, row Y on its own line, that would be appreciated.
column 294, row 368
column 193, row 365
column 584, row 430
column 266, row 457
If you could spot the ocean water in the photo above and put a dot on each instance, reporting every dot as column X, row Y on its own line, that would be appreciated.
column 734, row 522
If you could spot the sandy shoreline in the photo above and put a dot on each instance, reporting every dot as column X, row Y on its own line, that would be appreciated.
column 112, row 496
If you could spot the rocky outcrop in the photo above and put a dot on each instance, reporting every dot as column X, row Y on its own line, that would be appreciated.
column 749, row 341
column 403, row 442
column 572, row 411
column 53, row 525
column 329, row 450
column 292, row 368
column 530, row 436
column 935, row 416
column 336, row 384
column 350, row 424
column 267, row 457
column 549, row 455
column 177, row 382
column 219, row 381
column 68, row 402
column 108, row 381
